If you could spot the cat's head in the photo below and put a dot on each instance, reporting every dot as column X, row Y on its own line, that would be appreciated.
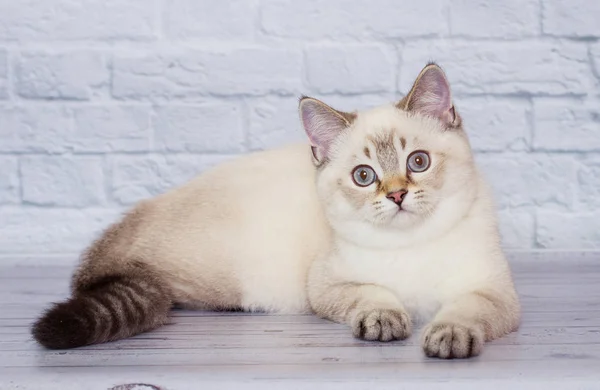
column 396, row 165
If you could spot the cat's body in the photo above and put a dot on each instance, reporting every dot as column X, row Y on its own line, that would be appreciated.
column 381, row 220
column 240, row 236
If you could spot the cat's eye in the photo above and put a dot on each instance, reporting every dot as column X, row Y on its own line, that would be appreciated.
column 363, row 175
column 418, row 161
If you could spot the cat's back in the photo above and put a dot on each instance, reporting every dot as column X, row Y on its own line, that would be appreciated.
column 246, row 186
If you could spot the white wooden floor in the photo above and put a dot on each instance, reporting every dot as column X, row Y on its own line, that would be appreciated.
column 557, row 347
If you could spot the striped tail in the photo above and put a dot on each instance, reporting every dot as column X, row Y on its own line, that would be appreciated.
column 111, row 308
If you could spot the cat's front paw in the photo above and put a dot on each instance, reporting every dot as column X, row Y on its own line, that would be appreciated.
column 381, row 324
column 449, row 341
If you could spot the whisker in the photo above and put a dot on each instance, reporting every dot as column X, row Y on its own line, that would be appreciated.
column 378, row 215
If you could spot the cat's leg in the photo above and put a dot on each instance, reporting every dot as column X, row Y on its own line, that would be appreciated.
column 373, row 312
column 460, row 328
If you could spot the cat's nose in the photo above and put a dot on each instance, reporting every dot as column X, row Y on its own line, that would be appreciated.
column 397, row 196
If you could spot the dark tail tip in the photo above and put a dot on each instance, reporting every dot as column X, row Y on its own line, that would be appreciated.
column 63, row 326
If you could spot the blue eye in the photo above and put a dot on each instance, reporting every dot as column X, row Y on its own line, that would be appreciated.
column 418, row 161
column 364, row 175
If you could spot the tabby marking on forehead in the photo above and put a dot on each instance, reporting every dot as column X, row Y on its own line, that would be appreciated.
column 386, row 152
column 403, row 142
column 367, row 152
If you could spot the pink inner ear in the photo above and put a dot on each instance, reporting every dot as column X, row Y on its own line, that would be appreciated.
column 322, row 126
column 432, row 96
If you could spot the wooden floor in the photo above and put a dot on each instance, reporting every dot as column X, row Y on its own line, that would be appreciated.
column 557, row 347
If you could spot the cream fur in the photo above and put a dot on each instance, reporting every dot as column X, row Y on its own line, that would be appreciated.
column 441, row 262
column 272, row 232
column 247, row 229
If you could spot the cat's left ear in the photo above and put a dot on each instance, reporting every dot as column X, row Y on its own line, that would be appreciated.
column 323, row 125
column 431, row 96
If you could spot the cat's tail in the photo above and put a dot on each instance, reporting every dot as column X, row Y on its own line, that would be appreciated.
column 111, row 307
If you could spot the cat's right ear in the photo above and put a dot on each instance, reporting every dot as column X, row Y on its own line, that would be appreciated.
column 322, row 125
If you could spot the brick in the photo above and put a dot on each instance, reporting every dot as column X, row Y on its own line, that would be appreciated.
column 75, row 75
column 341, row 19
column 205, row 128
column 9, row 180
column 496, row 125
column 517, row 229
column 97, row 129
column 574, row 18
column 41, row 20
column 35, row 230
column 34, row 129
column 68, row 76
column 111, row 128
column 527, row 180
column 247, row 71
column 135, row 178
column 595, row 55
column 566, row 125
column 588, row 178
column 355, row 102
column 350, row 69
column 207, row 19
column 274, row 122
column 63, row 181
column 577, row 231
column 523, row 67
column 499, row 19
column 3, row 74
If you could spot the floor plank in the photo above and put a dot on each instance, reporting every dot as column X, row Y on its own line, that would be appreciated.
column 557, row 346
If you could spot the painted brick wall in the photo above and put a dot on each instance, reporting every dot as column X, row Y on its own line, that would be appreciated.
column 106, row 102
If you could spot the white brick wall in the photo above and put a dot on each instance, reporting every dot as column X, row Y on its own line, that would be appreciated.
column 106, row 102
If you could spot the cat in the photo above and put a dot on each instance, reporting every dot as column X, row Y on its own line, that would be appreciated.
column 379, row 221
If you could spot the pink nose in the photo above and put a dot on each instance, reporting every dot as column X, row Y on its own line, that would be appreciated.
column 397, row 196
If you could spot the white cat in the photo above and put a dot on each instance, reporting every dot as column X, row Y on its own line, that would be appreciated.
column 383, row 219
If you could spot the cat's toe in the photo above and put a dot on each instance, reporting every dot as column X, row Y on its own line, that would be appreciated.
column 450, row 341
column 381, row 325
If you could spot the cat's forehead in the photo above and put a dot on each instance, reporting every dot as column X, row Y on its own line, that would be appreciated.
column 390, row 124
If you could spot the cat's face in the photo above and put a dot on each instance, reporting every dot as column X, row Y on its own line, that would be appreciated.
column 396, row 165
column 394, row 168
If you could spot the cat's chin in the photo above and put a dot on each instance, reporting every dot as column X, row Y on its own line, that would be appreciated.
column 399, row 218
column 404, row 219
column 400, row 231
